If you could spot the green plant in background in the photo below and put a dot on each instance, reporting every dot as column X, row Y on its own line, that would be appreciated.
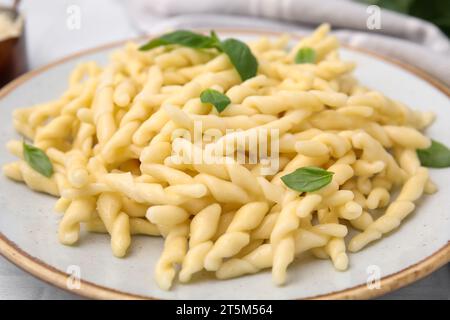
column 435, row 11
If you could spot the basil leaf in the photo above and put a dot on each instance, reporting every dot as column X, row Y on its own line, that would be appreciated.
column 435, row 156
column 237, row 51
column 241, row 57
column 183, row 38
column 37, row 159
column 307, row 179
column 217, row 99
column 215, row 39
column 305, row 55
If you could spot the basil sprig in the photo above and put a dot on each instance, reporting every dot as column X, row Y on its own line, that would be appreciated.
column 237, row 51
column 217, row 99
column 435, row 156
column 307, row 179
column 241, row 57
column 37, row 159
column 305, row 55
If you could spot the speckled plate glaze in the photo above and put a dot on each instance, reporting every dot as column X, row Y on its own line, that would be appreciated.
column 28, row 225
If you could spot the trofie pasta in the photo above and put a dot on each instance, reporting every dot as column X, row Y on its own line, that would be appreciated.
column 239, row 166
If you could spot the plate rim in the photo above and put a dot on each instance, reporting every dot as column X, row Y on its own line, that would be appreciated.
column 47, row 273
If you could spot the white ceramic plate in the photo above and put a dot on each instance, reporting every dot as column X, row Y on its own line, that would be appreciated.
column 28, row 225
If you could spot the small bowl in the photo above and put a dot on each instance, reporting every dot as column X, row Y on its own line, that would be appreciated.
column 13, row 58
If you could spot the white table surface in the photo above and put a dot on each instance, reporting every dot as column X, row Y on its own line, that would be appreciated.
column 49, row 38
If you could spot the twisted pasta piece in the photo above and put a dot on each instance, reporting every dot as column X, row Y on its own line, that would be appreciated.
column 84, row 139
column 103, row 106
column 335, row 248
column 117, row 223
column 138, row 226
column 282, row 236
column 362, row 222
column 373, row 150
column 377, row 198
column 250, row 87
column 407, row 137
column 151, row 193
column 395, row 213
column 124, row 92
column 262, row 257
column 191, row 90
column 57, row 128
column 244, row 184
column 166, row 215
column 255, row 261
column 247, row 218
column 175, row 248
column 319, row 40
column 139, row 111
column 283, row 101
column 203, row 227
column 79, row 210
column 77, row 172
column 21, row 171
column 324, row 144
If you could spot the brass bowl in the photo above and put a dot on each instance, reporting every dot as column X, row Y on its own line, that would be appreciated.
column 13, row 58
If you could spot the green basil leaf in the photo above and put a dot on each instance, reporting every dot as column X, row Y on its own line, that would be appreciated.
column 237, row 51
column 217, row 99
column 305, row 55
column 435, row 156
column 183, row 38
column 38, row 160
column 241, row 57
column 307, row 179
column 215, row 39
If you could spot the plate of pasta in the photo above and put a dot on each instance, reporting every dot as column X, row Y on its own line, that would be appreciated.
column 226, row 165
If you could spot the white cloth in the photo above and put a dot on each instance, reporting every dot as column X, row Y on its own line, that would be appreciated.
column 405, row 38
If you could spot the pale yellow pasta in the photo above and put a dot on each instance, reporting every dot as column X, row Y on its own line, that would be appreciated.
column 262, row 257
column 117, row 223
column 282, row 235
column 124, row 93
column 77, row 173
column 395, row 213
column 79, row 210
column 377, row 198
column 202, row 229
column 247, row 218
column 135, row 151
column 166, row 215
column 21, row 171
column 175, row 248
column 335, row 248
column 138, row 226
column 61, row 205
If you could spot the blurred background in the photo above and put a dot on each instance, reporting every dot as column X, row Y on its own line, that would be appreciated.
column 412, row 31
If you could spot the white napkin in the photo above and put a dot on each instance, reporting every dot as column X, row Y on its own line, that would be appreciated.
column 402, row 37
